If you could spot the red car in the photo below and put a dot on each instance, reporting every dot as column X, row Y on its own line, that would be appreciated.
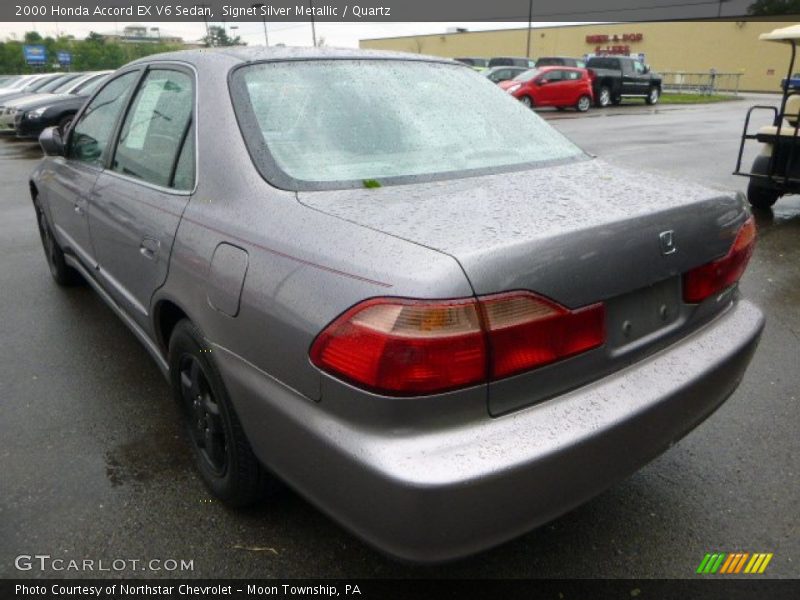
column 561, row 87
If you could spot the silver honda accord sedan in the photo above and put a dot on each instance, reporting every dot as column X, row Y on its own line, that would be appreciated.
column 382, row 280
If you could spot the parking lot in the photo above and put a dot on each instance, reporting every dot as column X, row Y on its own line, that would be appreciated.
column 94, row 464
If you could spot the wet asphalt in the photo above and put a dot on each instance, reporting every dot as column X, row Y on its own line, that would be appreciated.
column 93, row 463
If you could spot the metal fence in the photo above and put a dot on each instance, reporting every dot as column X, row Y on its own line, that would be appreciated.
column 708, row 82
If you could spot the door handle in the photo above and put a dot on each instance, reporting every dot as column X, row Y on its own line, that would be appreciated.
column 80, row 206
column 149, row 247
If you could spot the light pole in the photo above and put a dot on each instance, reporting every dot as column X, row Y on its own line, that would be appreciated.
column 530, row 17
column 313, row 29
column 264, row 21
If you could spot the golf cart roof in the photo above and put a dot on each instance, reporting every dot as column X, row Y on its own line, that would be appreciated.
column 782, row 34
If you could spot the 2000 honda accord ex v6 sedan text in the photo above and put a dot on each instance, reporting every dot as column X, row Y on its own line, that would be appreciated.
column 385, row 281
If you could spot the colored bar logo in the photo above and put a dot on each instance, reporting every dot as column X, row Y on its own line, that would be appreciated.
column 734, row 563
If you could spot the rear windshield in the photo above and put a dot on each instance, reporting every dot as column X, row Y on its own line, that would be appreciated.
column 324, row 124
column 603, row 63
column 550, row 62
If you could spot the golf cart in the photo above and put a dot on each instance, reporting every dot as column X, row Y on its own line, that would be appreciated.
column 776, row 170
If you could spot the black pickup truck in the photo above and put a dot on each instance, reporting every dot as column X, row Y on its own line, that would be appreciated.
column 618, row 77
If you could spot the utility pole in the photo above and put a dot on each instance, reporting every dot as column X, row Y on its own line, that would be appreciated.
column 264, row 21
column 530, row 18
column 313, row 29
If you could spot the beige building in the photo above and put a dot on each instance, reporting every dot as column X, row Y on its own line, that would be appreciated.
column 689, row 47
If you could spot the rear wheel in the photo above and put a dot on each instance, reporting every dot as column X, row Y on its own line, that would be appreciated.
column 584, row 103
column 62, row 273
column 222, row 453
column 653, row 95
column 526, row 100
column 604, row 96
column 760, row 197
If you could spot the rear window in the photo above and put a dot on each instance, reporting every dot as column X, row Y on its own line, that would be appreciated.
column 603, row 63
column 325, row 124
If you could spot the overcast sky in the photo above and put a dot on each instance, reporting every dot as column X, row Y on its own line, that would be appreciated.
column 291, row 34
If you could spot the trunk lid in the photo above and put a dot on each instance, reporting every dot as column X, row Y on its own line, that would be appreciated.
column 578, row 233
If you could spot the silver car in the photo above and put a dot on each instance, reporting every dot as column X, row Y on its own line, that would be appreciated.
column 381, row 279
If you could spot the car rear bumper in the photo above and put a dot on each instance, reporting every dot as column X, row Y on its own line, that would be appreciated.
column 434, row 496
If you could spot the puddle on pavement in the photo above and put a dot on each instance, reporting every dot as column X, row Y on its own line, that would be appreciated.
column 149, row 457
column 20, row 149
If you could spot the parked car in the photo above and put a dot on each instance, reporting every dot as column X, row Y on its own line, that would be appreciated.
column 416, row 302
column 28, row 86
column 498, row 74
column 511, row 61
column 560, row 61
column 58, row 110
column 10, row 108
column 561, row 87
column 618, row 77
column 474, row 61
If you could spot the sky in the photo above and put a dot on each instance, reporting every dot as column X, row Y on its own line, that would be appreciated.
column 345, row 35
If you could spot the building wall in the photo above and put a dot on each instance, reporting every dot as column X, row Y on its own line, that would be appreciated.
column 689, row 47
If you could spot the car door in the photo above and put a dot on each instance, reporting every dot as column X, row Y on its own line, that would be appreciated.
column 547, row 89
column 139, row 198
column 630, row 83
column 641, row 77
column 73, row 176
column 573, row 87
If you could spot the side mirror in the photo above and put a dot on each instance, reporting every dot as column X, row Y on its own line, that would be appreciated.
column 51, row 142
column 647, row 68
column 541, row 81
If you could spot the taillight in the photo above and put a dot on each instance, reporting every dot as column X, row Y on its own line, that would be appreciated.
column 711, row 278
column 527, row 331
column 405, row 346
column 415, row 347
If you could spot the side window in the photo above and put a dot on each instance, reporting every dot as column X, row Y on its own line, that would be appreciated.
column 580, row 63
column 639, row 68
column 554, row 76
column 155, row 127
column 91, row 134
column 184, row 169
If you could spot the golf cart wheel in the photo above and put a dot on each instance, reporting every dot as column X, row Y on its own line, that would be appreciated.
column 761, row 197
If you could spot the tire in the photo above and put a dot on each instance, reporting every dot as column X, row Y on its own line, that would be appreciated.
column 603, row 96
column 222, row 454
column 526, row 101
column 761, row 198
column 584, row 103
column 62, row 273
column 653, row 95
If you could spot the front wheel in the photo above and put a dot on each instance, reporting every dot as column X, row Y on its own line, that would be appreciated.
column 760, row 197
column 222, row 453
column 603, row 96
column 62, row 273
column 584, row 102
column 526, row 101
column 653, row 95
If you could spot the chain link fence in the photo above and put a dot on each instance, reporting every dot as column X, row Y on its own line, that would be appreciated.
column 707, row 83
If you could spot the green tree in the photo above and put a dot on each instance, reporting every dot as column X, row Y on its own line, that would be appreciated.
column 33, row 37
column 774, row 7
column 217, row 36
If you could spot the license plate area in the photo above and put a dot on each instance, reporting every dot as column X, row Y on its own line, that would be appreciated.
column 640, row 316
